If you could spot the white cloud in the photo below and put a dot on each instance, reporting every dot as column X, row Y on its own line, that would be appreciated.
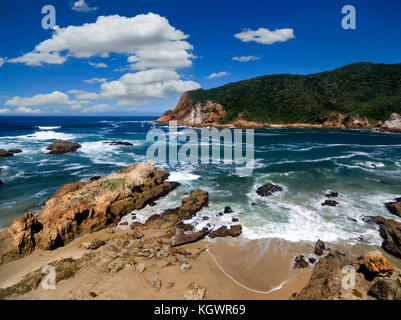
column 27, row 110
column 4, row 110
column 246, row 58
column 81, row 5
column 150, row 38
column 2, row 61
column 76, row 107
column 95, row 80
column 98, row 108
column 265, row 36
column 56, row 97
column 218, row 74
column 136, row 88
column 98, row 65
column 84, row 95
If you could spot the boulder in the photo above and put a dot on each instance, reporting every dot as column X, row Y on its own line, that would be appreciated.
column 14, row 151
column 94, row 244
column 268, row 189
column 300, row 262
column 5, row 153
column 386, row 289
column 319, row 247
column 228, row 210
column 376, row 264
column 394, row 207
column 61, row 147
column 194, row 292
column 330, row 203
column 390, row 231
column 185, row 267
column 183, row 238
column 80, row 208
column 394, row 122
column 234, row 231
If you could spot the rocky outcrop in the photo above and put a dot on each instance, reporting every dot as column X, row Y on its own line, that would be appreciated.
column 61, row 147
column 189, row 207
column 394, row 207
column 300, row 262
column 79, row 208
column 182, row 238
column 223, row 231
column 330, row 203
column 330, row 279
column 194, row 114
column 394, row 122
column 390, row 231
column 319, row 247
column 268, row 189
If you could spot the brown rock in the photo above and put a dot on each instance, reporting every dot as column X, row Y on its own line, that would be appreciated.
column 188, row 208
column 80, row 208
column 61, row 147
column 14, row 151
column 268, row 189
column 194, row 292
column 5, row 153
column 183, row 238
column 234, row 231
column 386, row 289
column 375, row 263
column 300, row 262
column 319, row 247
column 94, row 244
column 390, row 231
column 394, row 207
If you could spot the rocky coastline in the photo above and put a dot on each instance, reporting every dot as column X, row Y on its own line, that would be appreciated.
column 85, row 216
column 209, row 114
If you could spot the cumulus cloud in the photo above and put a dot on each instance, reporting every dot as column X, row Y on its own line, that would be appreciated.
column 246, row 58
column 4, row 110
column 56, row 97
column 149, row 38
column 95, row 80
column 27, row 110
column 218, row 74
column 265, row 36
column 84, row 95
column 98, row 108
column 98, row 65
column 82, row 6
column 136, row 88
column 2, row 61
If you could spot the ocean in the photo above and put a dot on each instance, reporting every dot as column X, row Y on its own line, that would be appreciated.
column 363, row 166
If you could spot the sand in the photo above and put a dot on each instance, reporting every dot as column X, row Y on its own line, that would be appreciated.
column 228, row 268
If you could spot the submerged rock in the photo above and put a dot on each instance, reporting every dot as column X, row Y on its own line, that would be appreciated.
column 1, row 182
column 268, row 189
column 61, row 147
column 330, row 203
column 119, row 143
column 79, row 208
column 332, row 195
column 14, row 151
column 234, row 231
column 394, row 207
column 228, row 210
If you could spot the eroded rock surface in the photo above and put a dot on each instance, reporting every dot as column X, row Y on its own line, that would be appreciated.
column 79, row 208
column 61, row 147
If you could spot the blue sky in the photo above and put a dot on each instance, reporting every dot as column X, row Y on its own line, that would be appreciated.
column 143, row 54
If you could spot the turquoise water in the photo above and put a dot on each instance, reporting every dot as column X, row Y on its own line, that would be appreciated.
column 363, row 166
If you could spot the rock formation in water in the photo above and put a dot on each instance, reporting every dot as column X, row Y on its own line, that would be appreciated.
column 61, row 147
column 79, row 208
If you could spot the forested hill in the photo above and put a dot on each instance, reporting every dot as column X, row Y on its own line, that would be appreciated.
column 364, row 89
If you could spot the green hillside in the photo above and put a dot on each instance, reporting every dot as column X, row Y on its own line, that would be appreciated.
column 364, row 89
